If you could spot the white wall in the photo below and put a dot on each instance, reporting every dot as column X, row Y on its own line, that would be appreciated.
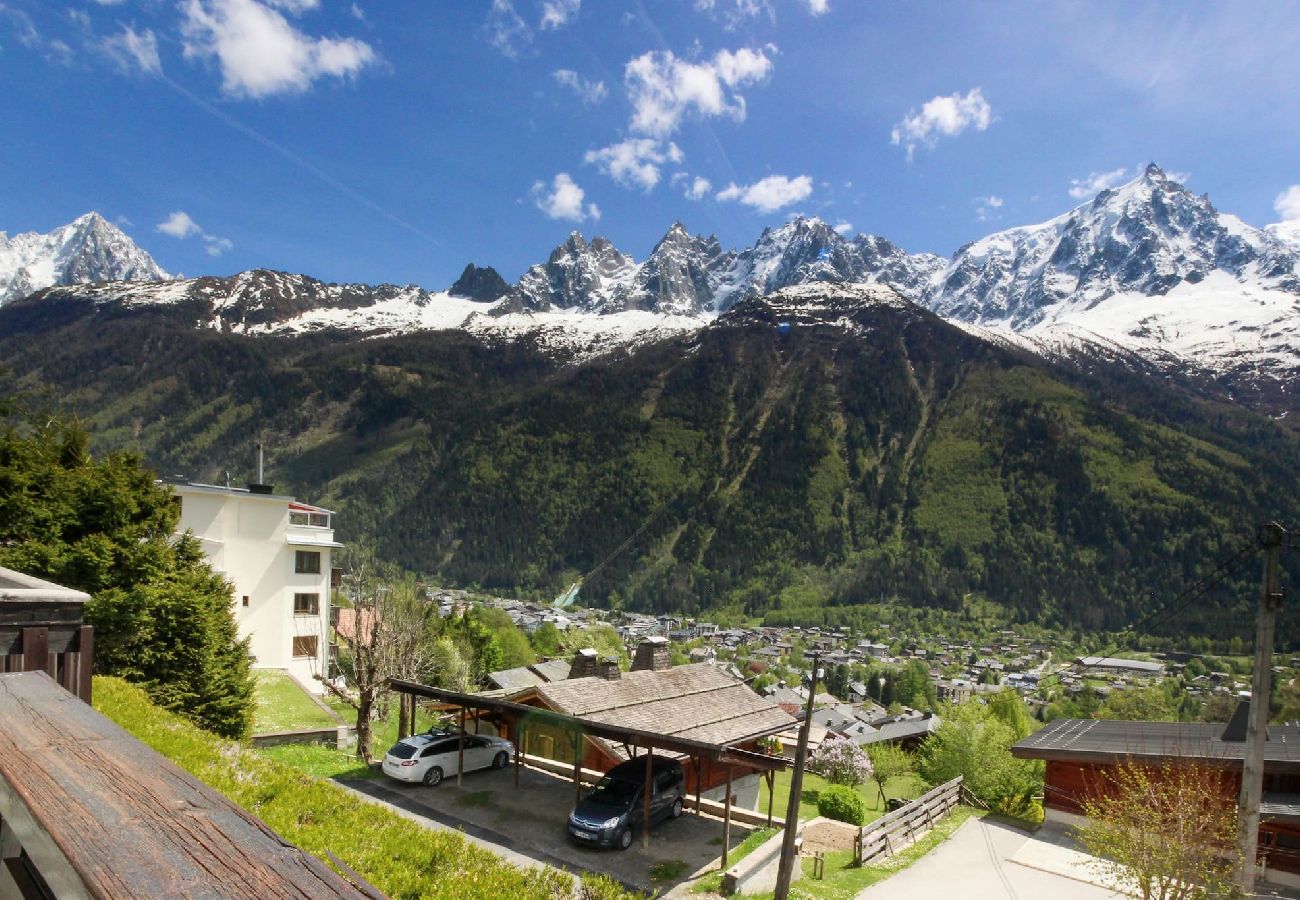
column 247, row 538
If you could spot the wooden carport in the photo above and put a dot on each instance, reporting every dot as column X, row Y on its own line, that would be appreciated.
column 518, row 716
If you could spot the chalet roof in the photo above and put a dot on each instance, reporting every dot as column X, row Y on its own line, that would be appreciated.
column 1101, row 740
column 514, row 680
column 696, row 702
column 18, row 587
column 126, row 820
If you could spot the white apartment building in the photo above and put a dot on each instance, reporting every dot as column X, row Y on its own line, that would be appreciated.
column 278, row 554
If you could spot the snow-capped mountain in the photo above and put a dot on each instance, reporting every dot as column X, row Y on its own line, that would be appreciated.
column 1146, row 237
column 689, row 274
column 1146, row 268
column 85, row 250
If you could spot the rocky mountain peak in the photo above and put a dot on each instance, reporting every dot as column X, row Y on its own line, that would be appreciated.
column 88, row 249
column 480, row 283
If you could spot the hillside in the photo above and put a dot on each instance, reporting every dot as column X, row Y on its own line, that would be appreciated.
column 866, row 448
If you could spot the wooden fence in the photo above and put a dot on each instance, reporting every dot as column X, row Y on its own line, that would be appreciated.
column 892, row 831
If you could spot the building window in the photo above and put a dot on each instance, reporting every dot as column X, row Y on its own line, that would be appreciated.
column 315, row 520
column 245, row 599
column 306, row 604
column 304, row 646
column 306, row 562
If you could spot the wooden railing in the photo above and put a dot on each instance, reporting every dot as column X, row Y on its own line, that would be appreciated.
column 67, row 653
column 892, row 831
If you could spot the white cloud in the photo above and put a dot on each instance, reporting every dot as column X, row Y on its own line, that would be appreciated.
column 260, row 53
column 564, row 199
column 1287, row 203
column 985, row 206
column 557, row 13
column 634, row 162
column 133, row 49
column 296, row 7
column 591, row 92
column 506, row 29
column 844, row 228
column 110, row 2
column 942, row 117
column 1095, row 183
column 357, row 12
column 180, row 226
column 734, row 13
column 663, row 88
column 819, row 7
column 769, row 194
column 699, row 188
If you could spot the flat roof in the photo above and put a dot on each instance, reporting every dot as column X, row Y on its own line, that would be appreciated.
column 18, row 587
column 1107, row 741
column 200, row 488
column 127, row 820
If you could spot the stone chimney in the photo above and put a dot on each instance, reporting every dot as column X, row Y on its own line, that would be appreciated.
column 585, row 664
column 652, row 654
column 609, row 669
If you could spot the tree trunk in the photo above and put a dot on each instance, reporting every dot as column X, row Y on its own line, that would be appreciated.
column 364, row 701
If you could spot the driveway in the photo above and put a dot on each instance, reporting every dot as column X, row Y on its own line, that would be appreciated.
column 527, row 826
column 977, row 863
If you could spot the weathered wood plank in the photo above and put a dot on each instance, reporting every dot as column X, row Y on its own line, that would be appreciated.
column 130, row 822
column 36, row 649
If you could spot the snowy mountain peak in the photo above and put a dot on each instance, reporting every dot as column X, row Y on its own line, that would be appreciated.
column 88, row 249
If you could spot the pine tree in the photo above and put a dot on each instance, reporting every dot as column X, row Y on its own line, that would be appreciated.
column 162, row 617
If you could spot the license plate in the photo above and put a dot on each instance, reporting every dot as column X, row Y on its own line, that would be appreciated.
column 585, row 835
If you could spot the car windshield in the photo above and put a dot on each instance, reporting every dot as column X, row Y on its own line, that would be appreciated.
column 402, row 751
column 613, row 792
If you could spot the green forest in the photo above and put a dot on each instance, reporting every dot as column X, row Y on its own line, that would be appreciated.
column 870, row 454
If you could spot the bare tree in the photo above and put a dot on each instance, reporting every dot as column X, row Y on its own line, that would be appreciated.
column 1164, row 832
column 391, row 636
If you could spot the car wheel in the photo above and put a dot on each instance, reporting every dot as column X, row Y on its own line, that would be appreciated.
column 433, row 776
column 677, row 807
column 501, row 760
column 625, row 839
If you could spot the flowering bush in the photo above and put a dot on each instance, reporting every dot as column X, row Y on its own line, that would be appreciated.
column 840, row 761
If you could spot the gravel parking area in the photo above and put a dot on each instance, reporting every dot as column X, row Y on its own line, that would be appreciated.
column 530, row 822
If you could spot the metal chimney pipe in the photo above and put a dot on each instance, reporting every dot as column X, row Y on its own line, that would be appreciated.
column 260, row 480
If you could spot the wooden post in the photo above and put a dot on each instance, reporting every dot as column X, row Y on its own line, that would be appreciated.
column 85, row 660
column 577, row 766
column 402, row 721
column 36, row 649
column 726, row 822
column 770, row 777
column 460, row 758
column 646, row 790
column 698, row 781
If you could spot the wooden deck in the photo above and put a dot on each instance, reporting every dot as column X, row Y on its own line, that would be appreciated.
column 102, row 815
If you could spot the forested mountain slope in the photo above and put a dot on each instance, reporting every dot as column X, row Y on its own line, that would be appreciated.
column 828, row 444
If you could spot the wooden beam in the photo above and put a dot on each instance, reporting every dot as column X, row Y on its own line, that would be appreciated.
column 770, row 778
column 726, row 822
column 577, row 768
column 460, row 757
column 646, row 790
column 699, row 782
column 36, row 650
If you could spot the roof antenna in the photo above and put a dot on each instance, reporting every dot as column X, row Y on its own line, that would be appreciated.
column 227, row 478
column 259, row 463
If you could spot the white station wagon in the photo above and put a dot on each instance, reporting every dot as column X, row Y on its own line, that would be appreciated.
column 432, row 756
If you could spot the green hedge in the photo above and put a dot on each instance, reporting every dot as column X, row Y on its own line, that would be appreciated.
column 843, row 804
column 396, row 855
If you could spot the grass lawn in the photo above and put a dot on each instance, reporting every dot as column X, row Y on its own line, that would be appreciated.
column 843, row 881
column 326, row 762
column 284, row 706
column 907, row 787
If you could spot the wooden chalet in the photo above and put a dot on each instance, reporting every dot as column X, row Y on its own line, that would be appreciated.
column 86, row 810
column 42, row 630
column 1079, row 752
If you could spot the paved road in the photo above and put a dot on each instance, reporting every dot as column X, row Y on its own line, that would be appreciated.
column 975, row 864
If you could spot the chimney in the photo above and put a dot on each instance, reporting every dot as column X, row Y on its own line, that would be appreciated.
column 652, row 654
column 259, row 486
column 609, row 669
column 585, row 664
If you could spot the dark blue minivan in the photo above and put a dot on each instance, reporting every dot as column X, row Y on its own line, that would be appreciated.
column 612, row 811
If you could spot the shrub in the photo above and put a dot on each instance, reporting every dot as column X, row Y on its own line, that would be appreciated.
column 843, row 804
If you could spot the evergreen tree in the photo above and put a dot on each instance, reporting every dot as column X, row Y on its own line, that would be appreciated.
column 162, row 617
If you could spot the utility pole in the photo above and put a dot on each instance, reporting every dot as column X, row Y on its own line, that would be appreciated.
column 1271, row 536
column 786, row 867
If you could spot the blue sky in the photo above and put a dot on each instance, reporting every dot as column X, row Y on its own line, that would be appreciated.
column 396, row 140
